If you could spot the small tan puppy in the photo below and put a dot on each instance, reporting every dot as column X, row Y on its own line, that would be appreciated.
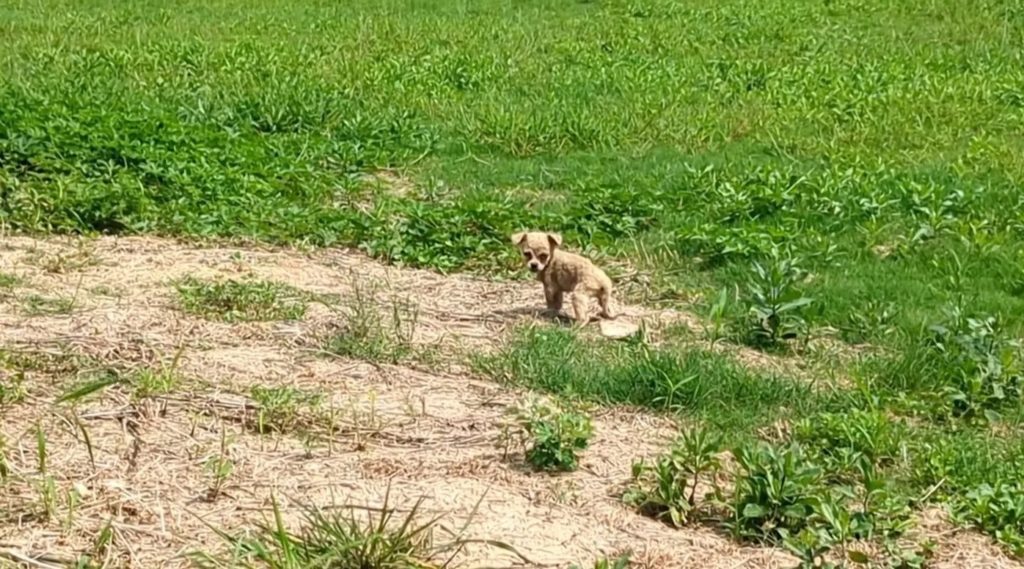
column 563, row 272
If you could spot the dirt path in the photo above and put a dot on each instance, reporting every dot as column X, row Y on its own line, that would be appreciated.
column 424, row 433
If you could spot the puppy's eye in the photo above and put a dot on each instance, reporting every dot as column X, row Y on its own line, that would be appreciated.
column 527, row 254
column 543, row 257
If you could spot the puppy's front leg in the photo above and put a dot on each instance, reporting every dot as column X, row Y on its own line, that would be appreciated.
column 553, row 296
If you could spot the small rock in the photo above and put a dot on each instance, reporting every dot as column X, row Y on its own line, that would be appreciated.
column 618, row 329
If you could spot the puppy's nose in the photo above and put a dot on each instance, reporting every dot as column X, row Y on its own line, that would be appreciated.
column 534, row 267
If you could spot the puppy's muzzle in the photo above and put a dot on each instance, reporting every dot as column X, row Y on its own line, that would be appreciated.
column 534, row 267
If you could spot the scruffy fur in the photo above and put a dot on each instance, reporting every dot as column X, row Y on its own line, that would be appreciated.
column 562, row 272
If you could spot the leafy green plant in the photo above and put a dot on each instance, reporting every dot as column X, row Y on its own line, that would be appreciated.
column 551, row 435
column 667, row 489
column 998, row 510
column 776, row 491
column 240, row 301
column 986, row 373
column 775, row 303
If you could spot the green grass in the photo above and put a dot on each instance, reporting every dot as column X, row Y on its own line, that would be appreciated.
column 9, row 281
column 240, row 301
column 693, row 381
column 283, row 409
column 873, row 145
column 38, row 305
column 902, row 444
column 376, row 333
column 340, row 537
column 707, row 133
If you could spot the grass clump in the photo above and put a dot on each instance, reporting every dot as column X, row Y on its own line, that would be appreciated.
column 374, row 334
column 240, row 301
column 336, row 538
column 552, row 436
column 844, row 440
column 283, row 409
column 9, row 281
column 38, row 305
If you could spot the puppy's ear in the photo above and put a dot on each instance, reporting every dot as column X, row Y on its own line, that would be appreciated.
column 517, row 238
column 555, row 239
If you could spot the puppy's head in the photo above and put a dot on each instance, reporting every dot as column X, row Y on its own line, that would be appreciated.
column 537, row 248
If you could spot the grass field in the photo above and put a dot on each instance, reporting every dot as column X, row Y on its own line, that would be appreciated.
column 829, row 190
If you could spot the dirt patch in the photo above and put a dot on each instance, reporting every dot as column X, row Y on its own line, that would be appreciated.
column 142, row 467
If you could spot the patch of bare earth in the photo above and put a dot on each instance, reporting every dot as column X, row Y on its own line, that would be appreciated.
column 143, row 466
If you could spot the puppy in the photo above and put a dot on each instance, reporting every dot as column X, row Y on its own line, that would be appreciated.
column 563, row 272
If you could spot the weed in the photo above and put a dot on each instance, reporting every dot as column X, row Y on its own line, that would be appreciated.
column 46, row 486
column 41, row 450
column 12, row 387
column 64, row 262
column 965, row 368
column 620, row 562
column 775, row 303
column 5, row 466
column 240, row 301
column 152, row 382
column 997, row 510
column 369, row 334
column 101, row 548
column 874, row 320
column 987, row 368
column 775, row 493
column 844, row 439
column 283, row 409
column 9, row 281
column 336, row 538
column 916, row 557
column 667, row 489
column 92, row 384
column 107, row 291
column 551, row 435
column 717, row 315
column 162, row 380
column 219, row 467
column 36, row 305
